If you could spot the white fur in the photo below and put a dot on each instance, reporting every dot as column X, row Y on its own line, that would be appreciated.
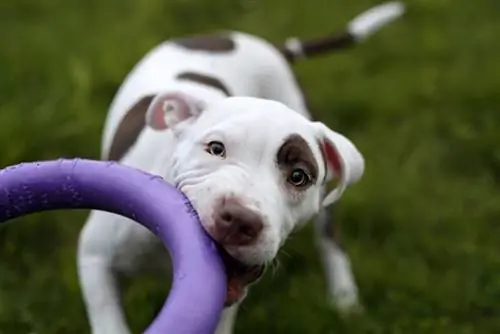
column 268, row 107
column 253, row 129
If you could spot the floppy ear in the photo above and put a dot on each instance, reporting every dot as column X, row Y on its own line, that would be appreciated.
column 342, row 160
column 169, row 109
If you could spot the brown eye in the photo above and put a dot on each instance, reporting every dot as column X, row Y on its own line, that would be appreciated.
column 299, row 178
column 216, row 148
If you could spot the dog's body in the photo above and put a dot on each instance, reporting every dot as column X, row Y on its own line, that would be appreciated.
column 237, row 88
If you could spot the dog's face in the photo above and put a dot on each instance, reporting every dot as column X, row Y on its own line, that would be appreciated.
column 253, row 169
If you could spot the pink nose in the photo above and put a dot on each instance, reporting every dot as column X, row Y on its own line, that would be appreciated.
column 235, row 225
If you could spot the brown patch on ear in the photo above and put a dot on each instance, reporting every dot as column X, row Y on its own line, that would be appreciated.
column 204, row 80
column 296, row 153
column 216, row 43
column 129, row 129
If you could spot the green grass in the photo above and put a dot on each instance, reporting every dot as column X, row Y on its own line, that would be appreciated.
column 420, row 99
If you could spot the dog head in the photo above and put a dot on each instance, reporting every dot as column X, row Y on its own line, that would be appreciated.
column 254, row 170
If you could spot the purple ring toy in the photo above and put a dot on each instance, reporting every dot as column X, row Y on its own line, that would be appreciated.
column 198, row 290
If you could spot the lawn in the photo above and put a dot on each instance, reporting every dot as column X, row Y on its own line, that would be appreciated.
column 420, row 99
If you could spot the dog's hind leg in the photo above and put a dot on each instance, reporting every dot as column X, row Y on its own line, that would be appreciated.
column 227, row 320
column 340, row 281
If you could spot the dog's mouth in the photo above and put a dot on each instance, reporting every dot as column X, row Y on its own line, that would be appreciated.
column 239, row 276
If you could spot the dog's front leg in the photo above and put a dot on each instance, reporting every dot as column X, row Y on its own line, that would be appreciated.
column 340, row 281
column 101, row 296
column 97, row 280
column 227, row 320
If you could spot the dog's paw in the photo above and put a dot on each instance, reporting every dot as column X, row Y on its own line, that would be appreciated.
column 346, row 302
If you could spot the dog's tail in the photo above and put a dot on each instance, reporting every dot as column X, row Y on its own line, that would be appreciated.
column 358, row 29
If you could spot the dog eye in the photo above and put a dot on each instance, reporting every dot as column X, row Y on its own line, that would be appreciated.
column 216, row 148
column 299, row 178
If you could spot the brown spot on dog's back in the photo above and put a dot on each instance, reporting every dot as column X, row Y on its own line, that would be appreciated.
column 204, row 80
column 129, row 129
column 296, row 153
column 216, row 43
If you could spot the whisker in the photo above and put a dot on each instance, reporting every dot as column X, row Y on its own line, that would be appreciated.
column 286, row 254
column 277, row 264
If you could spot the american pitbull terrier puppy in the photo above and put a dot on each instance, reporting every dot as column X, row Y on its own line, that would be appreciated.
column 222, row 118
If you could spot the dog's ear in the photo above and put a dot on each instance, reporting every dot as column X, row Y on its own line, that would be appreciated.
column 342, row 159
column 169, row 109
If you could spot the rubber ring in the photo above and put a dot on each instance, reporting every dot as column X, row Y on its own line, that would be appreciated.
column 199, row 283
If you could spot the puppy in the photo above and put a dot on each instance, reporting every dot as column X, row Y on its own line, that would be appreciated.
column 222, row 118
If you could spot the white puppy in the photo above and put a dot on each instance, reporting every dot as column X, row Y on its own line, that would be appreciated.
column 222, row 117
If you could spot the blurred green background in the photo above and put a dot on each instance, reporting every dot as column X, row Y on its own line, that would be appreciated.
column 420, row 98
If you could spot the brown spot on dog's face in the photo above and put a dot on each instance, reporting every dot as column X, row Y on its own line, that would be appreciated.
column 216, row 43
column 204, row 80
column 129, row 129
column 297, row 163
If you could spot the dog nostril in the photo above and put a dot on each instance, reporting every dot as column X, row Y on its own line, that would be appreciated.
column 248, row 229
column 226, row 217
